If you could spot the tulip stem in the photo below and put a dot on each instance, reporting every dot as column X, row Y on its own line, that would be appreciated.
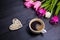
column 54, row 5
column 47, row 7
column 43, row 1
column 46, row 3
column 57, row 10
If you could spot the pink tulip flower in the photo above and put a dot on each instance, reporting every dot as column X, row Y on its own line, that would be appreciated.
column 41, row 12
column 28, row 4
column 54, row 20
column 37, row 4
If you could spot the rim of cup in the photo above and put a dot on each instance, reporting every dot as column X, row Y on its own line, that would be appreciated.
column 36, row 19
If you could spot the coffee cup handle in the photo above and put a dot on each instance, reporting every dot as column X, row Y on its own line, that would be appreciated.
column 43, row 31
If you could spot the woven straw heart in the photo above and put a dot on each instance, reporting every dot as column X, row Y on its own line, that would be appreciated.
column 16, row 24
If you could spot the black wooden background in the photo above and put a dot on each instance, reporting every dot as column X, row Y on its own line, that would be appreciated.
column 10, row 9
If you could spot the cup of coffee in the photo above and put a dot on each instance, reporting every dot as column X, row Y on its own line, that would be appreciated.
column 37, row 25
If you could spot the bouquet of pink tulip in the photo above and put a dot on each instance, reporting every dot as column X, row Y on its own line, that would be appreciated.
column 45, row 8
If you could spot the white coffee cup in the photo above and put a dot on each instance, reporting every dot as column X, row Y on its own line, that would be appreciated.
column 42, row 26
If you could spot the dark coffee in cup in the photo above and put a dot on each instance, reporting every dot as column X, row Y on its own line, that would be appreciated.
column 36, row 25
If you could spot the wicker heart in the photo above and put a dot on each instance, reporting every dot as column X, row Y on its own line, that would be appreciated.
column 16, row 24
